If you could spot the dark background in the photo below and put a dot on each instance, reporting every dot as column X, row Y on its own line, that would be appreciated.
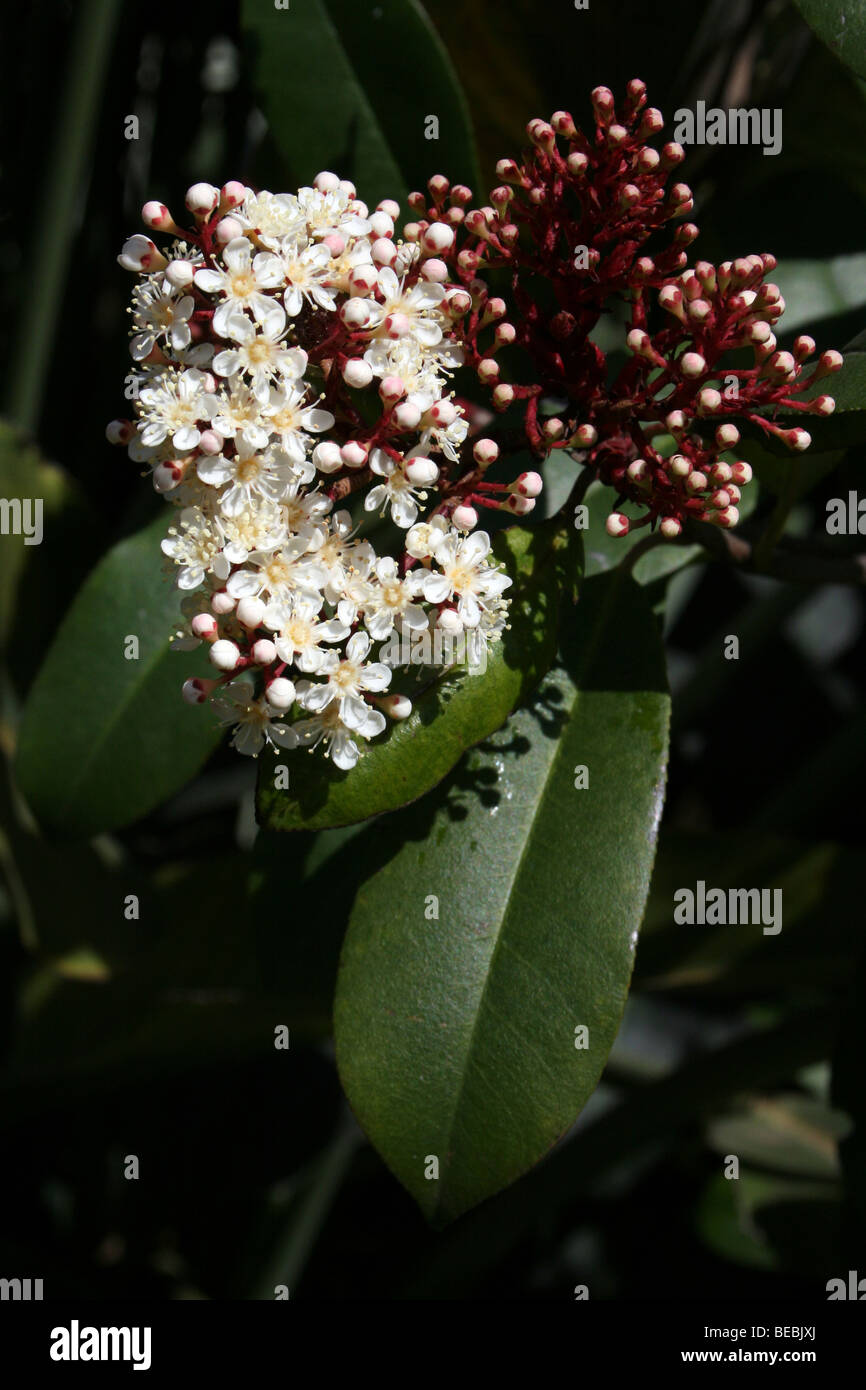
column 156, row 1050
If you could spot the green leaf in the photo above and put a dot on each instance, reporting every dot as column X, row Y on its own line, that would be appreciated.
column 456, row 1036
column 841, row 24
column 604, row 552
column 771, row 1222
column 454, row 713
column 104, row 739
column 815, row 290
column 335, row 101
column 26, row 478
column 847, row 425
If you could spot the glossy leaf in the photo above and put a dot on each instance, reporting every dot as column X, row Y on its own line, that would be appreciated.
column 104, row 738
column 57, row 524
column 340, row 87
column 819, row 289
column 456, row 1034
column 842, row 26
column 453, row 714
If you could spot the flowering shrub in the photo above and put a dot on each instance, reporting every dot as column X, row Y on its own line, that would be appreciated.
column 291, row 349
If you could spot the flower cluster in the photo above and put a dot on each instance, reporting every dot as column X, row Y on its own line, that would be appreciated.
column 578, row 216
column 288, row 352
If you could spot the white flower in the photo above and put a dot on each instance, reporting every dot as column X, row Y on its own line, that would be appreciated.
column 272, row 216
column 301, row 633
column 261, row 354
column 342, row 559
column 159, row 315
column 196, row 546
column 464, row 576
column 423, row 538
column 346, row 682
column 173, row 408
column 305, row 268
column 292, row 422
column 258, row 528
column 241, row 283
column 420, row 305
column 249, row 475
column 396, row 492
column 280, row 574
column 240, row 414
column 325, row 213
column 391, row 599
column 304, row 513
column 447, row 440
column 253, row 720
column 339, row 739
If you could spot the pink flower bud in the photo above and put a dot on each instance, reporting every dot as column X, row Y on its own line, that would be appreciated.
column 741, row 473
column 201, row 199
column 226, row 230
column 397, row 326
column 616, row 524
column 363, row 279
column 250, row 612
column 357, row 373
column 354, row 454
column 326, row 182
column 696, row 481
column 381, row 225
column 692, row 364
column 434, row 271
column 167, row 475
column 443, row 413
column 407, row 416
column 670, row 528
column 328, row 457
column 485, row 452
column 586, row 436
column 390, row 207
column 383, row 251
column 397, row 707
column 204, row 625
column 727, row 436
column 438, row 237
column 528, row 485
column 503, row 395
column 225, row 655
column 140, row 255
column 119, row 431
column 465, row 518
column 280, row 693
column 421, row 472
column 679, row 466
column 334, row 243
column 196, row 691
column 158, row 218
column 180, row 274
column 488, row 370
column 356, row 313
column 232, row 194
column 449, row 619
column 264, row 653
column 392, row 389
column 222, row 603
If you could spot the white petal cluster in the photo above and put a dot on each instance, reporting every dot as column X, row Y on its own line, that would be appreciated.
column 256, row 341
